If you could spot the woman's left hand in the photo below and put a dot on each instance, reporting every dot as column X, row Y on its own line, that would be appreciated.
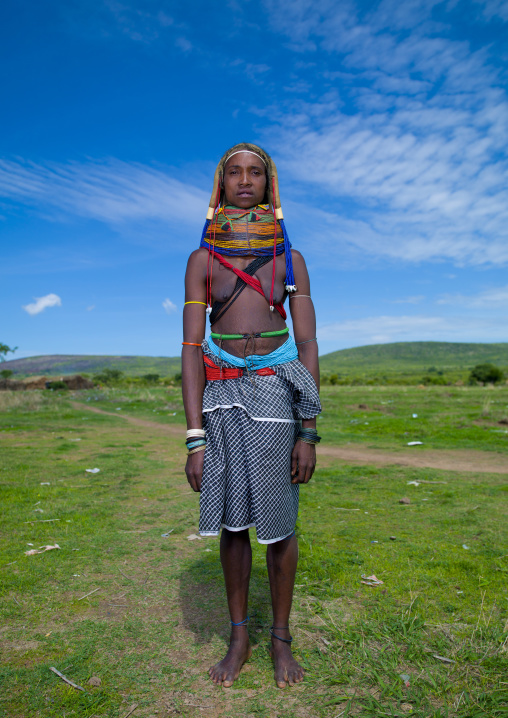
column 303, row 462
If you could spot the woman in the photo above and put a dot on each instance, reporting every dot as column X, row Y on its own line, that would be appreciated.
column 250, row 394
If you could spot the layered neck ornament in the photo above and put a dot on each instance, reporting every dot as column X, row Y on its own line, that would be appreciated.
column 239, row 232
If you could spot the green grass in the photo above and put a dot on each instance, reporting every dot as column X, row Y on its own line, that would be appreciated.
column 161, row 404
column 447, row 417
column 159, row 618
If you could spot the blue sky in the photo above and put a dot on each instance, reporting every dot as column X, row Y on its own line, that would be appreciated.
column 388, row 122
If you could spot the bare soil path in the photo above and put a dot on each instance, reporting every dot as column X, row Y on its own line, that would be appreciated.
column 488, row 462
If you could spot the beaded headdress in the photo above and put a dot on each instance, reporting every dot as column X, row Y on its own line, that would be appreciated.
column 259, row 231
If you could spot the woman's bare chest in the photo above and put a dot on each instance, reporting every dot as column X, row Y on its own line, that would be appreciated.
column 224, row 280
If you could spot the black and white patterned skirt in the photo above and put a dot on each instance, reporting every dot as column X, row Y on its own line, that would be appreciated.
column 251, row 426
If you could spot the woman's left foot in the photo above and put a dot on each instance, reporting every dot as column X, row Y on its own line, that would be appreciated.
column 288, row 671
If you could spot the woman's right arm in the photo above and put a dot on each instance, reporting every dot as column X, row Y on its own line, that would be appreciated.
column 193, row 370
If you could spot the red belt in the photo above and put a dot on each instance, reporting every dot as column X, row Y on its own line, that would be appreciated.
column 217, row 373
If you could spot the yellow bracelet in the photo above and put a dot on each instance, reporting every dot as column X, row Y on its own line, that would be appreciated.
column 195, row 451
column 194, row 302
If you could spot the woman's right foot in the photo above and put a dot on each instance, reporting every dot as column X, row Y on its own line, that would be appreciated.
column 227, row 671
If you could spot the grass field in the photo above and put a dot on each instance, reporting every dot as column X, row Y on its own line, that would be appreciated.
column 146, row 613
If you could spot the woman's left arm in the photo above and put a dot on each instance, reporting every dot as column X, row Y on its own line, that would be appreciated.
column 304, row 328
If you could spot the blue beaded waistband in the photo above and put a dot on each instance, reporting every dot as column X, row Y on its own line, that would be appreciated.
column 286, row 352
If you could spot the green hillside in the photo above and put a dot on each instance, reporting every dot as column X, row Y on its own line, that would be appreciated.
column 60, row 364
column 410, row 356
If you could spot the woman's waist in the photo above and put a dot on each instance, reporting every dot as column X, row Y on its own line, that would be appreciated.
column 253, row 352
column 250, row 343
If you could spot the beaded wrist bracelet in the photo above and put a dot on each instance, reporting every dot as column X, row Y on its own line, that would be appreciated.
column 309, row 436
column 195, row 451
column 192, row 444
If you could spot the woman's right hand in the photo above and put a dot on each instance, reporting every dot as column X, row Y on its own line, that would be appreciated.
column 194, row 469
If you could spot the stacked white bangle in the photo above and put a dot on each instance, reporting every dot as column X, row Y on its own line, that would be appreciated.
column 193, row 433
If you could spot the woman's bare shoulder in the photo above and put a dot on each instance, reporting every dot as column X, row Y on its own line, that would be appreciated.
column 298, row 260
column 197, row 259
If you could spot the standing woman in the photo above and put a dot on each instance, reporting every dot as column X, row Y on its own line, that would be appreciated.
column 250, row 394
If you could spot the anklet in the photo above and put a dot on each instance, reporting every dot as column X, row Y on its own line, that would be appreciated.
column 279, row 638
column 242, row 623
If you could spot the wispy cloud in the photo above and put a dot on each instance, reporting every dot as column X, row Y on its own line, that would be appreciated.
column 133, row 20
column 495, row 298
column 493, row 9
column 414, row 147
column 409, row 300
column 169, row 307
column 385, row 329
column 114, row 192
column 42, row 303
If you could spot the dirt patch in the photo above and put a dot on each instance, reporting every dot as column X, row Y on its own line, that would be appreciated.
column 446, row 459
column 484, row 462
column 21, row 645
column 153, row 425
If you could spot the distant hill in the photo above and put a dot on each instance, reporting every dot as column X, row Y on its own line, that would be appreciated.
column 399, row 357
column 414, row 356
column 60, row 364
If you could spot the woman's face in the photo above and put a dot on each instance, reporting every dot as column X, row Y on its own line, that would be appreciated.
column 244, row 180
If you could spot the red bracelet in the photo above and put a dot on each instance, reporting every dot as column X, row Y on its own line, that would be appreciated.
column 191, row 344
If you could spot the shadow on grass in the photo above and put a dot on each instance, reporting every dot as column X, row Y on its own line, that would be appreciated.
column 203, row 598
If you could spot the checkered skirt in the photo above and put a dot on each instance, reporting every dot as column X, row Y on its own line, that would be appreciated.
column 251, row 426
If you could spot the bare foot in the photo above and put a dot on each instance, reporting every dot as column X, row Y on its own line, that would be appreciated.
column 287, row 670
column 227, row 671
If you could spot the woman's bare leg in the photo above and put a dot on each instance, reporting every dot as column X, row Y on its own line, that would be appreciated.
column 236, row 559
column 281, row 559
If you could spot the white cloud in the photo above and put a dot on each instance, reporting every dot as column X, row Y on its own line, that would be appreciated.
column 131, row 19
column 409, row 300
column 42, row 303
column 412, row 147
column 385, row 329
column 90, row 308
column 113, row 192
column 495, row 298
column 169, row 307
column 494, row 8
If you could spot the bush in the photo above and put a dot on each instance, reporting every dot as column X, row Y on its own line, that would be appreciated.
column 435, row 380
column 108, row 376
column 486, row 374
column 55, row 385
column 151, row 378
column 6, row 373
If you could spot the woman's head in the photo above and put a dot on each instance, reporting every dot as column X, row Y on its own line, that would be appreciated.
column 244, row 179
column 242, row 173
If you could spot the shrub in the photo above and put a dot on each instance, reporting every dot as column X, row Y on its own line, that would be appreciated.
column 486, row 374
column 434, row 380
column 151, row 378
column 55, row 385
column 108, row 376
column 6, row 373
